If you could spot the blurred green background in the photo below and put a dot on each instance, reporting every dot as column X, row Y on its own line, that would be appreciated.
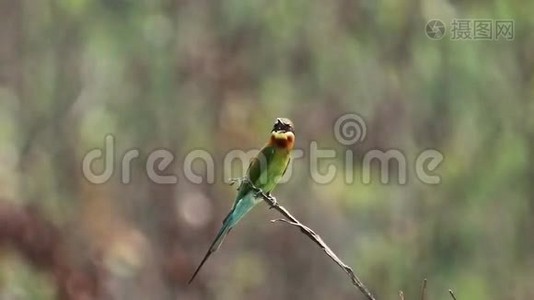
column 197, row 74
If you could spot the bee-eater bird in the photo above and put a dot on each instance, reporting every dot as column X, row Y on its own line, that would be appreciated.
column 264, row 172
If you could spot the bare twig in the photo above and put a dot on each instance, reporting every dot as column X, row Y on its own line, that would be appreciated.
column 452, row 294
column 271, row 201
column 423, row 289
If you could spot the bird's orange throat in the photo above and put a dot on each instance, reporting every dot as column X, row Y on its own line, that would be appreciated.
column 285, row 140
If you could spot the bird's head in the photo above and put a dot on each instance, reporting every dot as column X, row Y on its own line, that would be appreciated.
column 283, row 133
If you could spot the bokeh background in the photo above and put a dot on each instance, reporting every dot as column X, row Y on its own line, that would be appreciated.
column 212, row 75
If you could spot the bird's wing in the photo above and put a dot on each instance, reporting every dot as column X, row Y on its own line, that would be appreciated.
column 257, row 165
column 288, row 162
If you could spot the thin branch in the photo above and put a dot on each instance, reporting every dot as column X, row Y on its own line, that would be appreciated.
column 452, row 294
column 423, row 289
column 271, row 201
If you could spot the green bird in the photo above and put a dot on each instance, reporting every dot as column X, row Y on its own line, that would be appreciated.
column 264, row 172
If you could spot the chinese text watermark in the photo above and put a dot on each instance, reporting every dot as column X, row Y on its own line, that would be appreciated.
column 472, row 29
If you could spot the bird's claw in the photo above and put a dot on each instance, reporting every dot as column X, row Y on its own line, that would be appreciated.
column 238, row 180
column 258, row 194
column 267, row 196
column 273, row 200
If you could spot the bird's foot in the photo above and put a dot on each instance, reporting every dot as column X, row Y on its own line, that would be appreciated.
column 273, row 200
column 238, row 180
column 259, row 194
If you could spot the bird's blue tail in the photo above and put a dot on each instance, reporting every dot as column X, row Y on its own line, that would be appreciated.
column 240, row 209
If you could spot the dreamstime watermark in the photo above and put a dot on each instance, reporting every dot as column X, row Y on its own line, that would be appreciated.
column 349, row 129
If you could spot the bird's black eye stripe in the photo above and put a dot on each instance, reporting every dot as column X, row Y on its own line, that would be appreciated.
column 281, row 126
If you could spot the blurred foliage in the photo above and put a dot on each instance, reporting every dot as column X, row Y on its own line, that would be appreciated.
column 185, row 75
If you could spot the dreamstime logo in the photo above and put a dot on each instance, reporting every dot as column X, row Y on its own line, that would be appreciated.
column 349, row 129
